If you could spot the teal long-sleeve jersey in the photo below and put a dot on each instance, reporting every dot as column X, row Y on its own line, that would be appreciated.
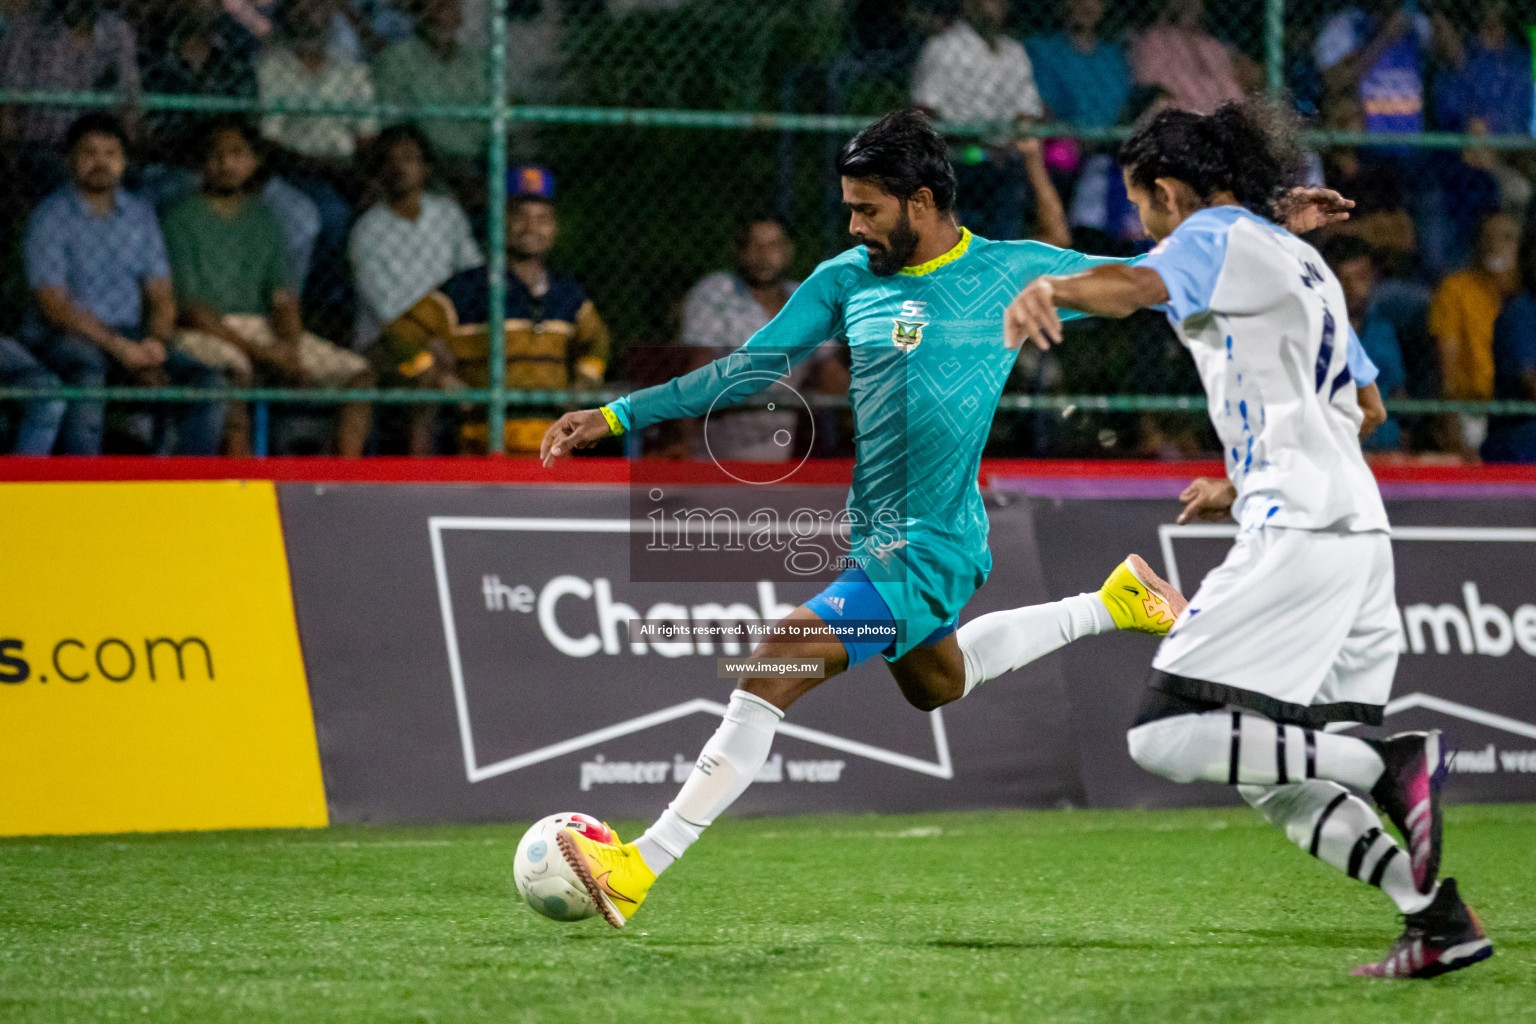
column 928, row 367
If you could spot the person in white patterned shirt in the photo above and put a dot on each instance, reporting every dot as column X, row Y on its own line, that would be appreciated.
column 972, row 73
column 726, row 308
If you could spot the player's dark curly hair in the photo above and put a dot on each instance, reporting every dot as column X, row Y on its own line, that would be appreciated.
column 1247, row 149
column 904, row 154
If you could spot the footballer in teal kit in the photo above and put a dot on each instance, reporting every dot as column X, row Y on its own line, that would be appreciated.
column 919, row 302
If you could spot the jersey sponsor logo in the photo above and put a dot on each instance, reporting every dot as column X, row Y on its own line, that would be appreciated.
column 907, row 334
column 836, row 603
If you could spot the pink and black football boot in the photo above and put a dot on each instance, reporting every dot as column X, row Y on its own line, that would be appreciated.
column 1443, row 937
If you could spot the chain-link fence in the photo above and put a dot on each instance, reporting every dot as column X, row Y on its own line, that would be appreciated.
column 226, row 220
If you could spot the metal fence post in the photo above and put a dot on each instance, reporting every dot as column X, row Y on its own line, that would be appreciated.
column 1274, row 48
column 496, row 233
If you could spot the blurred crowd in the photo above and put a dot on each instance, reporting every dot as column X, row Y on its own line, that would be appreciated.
column 163, row 247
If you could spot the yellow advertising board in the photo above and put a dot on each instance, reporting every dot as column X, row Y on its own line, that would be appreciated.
column 150, row 673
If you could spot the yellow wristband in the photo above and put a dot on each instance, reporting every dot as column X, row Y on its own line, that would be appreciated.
column 615, row 428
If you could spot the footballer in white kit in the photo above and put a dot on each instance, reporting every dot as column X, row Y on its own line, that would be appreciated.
column 1297, row 629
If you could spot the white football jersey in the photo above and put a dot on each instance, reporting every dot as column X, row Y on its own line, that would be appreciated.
column 1265, row 320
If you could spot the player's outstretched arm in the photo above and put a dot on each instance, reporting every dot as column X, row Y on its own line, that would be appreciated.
column 573, row 430
column 1110, row 289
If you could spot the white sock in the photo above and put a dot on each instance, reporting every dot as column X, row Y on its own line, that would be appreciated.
column 1238, row 749
column 1003, row 641
column 1340, row 829
column 724, row 770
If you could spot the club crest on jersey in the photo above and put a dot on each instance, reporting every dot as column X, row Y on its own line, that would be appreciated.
column 907, row 334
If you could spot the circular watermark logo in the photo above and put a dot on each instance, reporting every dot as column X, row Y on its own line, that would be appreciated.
column 779, row 398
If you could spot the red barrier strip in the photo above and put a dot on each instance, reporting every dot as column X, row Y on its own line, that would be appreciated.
column 619, row 471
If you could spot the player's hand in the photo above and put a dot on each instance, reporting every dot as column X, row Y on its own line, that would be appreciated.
column 1207, row 497
column 571, row 431
column 1032, row 316
column 1307, row 209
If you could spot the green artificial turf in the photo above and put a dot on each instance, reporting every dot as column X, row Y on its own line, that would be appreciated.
column 1142, row 917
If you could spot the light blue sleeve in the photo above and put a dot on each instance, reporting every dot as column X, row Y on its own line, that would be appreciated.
column 1360, row 366
column 813, row 314
column 1189, row 261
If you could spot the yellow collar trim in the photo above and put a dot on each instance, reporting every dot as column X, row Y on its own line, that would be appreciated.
column 941, row 261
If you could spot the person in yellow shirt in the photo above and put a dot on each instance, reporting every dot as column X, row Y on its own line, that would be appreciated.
column 1461, row 318
column 1465, row 306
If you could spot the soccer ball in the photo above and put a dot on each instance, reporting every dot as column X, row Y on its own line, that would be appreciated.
column 543, row 877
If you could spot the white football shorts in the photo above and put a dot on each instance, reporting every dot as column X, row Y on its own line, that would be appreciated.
column 1298, row 625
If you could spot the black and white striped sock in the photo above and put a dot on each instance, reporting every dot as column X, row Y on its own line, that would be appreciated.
column 1340, row 829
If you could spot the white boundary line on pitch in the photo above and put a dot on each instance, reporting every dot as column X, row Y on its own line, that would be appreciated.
column 941, row 768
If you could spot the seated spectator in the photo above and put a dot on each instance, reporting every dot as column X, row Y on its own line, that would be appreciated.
column 401, row 250
column 1465, row 306
column 63, row 46
column 352, row 32
column 726, row 308
column 1177, row 53
column 973, row 74
column 103, row 309
column 1354, row 265
column 300, row 66
column 235, row 300
column 38, row 425
column 314, row 153
column 1513, row 438
column 555, row 340
column 431, row 67
column 1083, row 78
column 1492, row 82
column 1461, row 318
column 1379, row 52
column 194, row 52
column 410, row 242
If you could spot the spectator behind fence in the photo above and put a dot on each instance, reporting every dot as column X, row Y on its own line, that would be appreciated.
column 555, row 340
column 103, row 309
column 1513, row 438
column 1492, row 82
column 401, row 250
column 189, row 48
column 1177, row 53
column 1380, row 52
column 431, row 67
column 409, row 242
column 37, row 426
column 1461, row 318
column 972, row 73
column 314, row 153
column 1354, row 265
column 62, row 46
column 299, row 65
column 1083, row 78
column 726, row 308
column 235, row 300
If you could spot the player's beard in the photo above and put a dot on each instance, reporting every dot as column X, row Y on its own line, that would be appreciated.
column 887, row 259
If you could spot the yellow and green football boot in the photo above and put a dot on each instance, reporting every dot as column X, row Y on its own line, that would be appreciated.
column 616, row 876
column 1139, row 599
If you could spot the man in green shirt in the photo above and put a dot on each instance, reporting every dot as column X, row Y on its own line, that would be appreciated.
column 235, row 302
column 432, row 67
